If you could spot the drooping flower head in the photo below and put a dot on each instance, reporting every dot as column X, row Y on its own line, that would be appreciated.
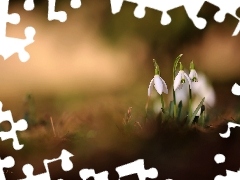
column 180, row 79
column 193, row 74
column 157, row 82
column 203, row 88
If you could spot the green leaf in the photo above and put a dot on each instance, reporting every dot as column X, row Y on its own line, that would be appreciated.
column 202, row 109
column 196, row 110
column 202, row 115
column 176, row 61
column 180, row 105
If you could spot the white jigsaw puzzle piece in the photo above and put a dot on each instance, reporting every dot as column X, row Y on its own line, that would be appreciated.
column 227, row 7
column 7, row 162
column 75, row 4
column 236, row 89
column 192, row 9
column 66, row 164
column 137, row 167
column 20, row 125
column 230, row 175
column 227, row 133
column 87, row 173
column 28, row 171
column 29, row 5
column 10, row 45
column 220, row 158
column 52, row 14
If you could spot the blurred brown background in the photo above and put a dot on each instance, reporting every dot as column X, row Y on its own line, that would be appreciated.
column 97, row 54
column 86, row 72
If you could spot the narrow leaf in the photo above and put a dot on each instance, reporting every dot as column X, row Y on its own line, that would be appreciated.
column 196, row 110
column 202, row 115
column 176, row 61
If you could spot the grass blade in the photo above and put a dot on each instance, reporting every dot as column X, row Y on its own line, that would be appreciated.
column 202, row 116
column 176, row 61
column 196, row 110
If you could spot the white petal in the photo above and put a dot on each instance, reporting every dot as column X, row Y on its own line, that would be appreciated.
column 177, row 81
column 196, row 75
column 180, row 86
column 201, row 87
column 158, row 84
column 165, row 90
column 193, row 74
column 150, row 87
column 204, row 89
column 189, row 80
column 210, row 97
column 182, row 95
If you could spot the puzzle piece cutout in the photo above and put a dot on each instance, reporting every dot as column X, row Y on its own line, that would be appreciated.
column 20, row 125
column 192, row 8
column 66, row 164
column 10, row 45
column 87, row 173
column 230, row 175
column 220, row 158
column 236, row 89
column 137, row 167
column 52, row 14
column 227, row 8
column 227, row 133
column 238, row 12
column 29, row 5
column 7, row 162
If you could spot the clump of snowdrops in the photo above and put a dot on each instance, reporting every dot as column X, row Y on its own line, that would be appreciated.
column 180, row 79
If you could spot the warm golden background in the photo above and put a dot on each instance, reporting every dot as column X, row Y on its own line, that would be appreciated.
column 98, row 62
column 95, row 54
column 86, row 72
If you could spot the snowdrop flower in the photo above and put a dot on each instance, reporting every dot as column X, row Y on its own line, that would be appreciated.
column 199, row 90
column 180, row 79
column 204, row 89
column 157, row 82
column 193, row 74
column 159, row 85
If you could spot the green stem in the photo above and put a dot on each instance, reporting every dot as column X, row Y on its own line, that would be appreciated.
column 162, row 101
column 174, row 95
column 174, row 75
column 146, row 109
column 174, row 104
column 163, row 107
column 190, row 104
